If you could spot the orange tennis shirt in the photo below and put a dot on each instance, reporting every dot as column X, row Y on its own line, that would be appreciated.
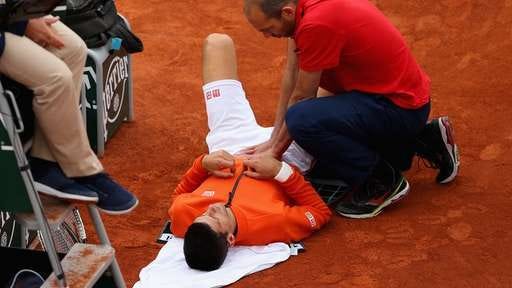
column 266, row 211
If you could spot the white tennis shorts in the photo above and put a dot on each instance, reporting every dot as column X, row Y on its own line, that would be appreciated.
column 233, row 126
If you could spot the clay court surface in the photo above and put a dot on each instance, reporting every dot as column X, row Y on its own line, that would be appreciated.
column 456, row 235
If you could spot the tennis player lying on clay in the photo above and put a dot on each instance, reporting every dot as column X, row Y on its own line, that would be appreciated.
column 226, row 199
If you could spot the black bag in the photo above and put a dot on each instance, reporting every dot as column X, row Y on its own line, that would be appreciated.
column 131, row 43
column 13, row 11
column 91, row 20
column 96, row 21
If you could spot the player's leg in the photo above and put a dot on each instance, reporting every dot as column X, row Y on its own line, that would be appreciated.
column 219, row 58
column 231, row 120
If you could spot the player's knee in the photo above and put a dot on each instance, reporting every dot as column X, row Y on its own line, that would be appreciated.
column 217, row 41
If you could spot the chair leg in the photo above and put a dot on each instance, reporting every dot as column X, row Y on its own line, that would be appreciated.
column 35, row 201
column 23, row 239
column 131, row 111
column 83, row 102
column 45, row 229
column 102, row 235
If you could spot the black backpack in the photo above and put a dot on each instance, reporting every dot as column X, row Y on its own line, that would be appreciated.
column 12, row 11
column 96, row 21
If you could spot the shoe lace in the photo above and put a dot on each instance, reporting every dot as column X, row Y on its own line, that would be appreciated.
column 429, row 157
column 375, row 187
column 330, row 192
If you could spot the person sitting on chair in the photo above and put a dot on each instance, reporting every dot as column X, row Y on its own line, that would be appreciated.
column 48, row 58
column 226, row 199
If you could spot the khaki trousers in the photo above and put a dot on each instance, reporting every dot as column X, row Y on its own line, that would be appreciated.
column 55, row 76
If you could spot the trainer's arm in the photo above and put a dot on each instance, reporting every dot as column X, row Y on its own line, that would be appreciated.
column 296, row 85
column 287, row 86
column 306, row 87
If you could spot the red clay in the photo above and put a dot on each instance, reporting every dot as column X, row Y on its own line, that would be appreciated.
column 455, row 235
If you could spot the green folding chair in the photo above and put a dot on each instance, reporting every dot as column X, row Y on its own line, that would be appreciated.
column 84, row 264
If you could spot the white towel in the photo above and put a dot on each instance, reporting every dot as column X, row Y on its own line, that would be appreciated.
column 169, row 269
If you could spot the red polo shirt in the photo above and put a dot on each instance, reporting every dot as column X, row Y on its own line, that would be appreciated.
column 358, row 48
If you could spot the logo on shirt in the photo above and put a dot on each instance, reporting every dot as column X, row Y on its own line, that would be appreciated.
column 212, row 94
column 208, row 193
column 311, row 219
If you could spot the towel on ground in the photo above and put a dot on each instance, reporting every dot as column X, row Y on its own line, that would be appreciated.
column 169, row 269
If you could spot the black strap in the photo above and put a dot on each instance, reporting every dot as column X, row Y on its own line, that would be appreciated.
column 233, row 191
column 95, row 20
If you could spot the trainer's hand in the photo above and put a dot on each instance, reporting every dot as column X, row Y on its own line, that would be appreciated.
column 220, row 163
column 40, row 31
column 257, row 149
column 262, row 166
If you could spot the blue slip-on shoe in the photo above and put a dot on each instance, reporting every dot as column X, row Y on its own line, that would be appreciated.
column 50, row 180
column 113, row 198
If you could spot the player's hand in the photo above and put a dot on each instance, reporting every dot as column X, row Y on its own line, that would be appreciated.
column 40, row 31
column 219, row 163
column 257, row 149
column 262, row 166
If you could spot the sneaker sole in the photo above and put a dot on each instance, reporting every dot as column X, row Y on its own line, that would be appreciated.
column 384, row 204
column 447, row 135
column 41, row 188
column 111, row 212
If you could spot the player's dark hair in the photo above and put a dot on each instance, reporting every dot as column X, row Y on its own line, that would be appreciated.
column 204, row 248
